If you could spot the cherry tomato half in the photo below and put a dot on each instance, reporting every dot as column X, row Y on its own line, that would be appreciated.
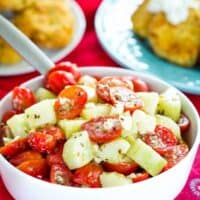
column 25, row 156
column 140, row 85
column 22, row 98
column 160, row 139
column 15, row 147
column 141, row 176
column 56, row 156
column 126, row 97
column 103, row 129
column 41, row 141
column 37, row 168
column 70, row 102
column 104, row 85
column 88, row 175
column 67, row 67
column 56, row 132
column 57, row 80
column 175, row 154
column 60, row 174
column 124, row 167
column 184, row 123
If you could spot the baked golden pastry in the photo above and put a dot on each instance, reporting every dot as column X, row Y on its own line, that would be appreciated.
column 48, row 23
column 18, row 5
column 141, row 19
column 179, row 43
column 7, row 54
column 15, row 5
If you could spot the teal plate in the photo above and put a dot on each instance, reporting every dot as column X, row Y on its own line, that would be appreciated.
column 113, row 28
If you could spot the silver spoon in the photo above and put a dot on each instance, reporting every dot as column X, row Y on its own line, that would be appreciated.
column 24, row 46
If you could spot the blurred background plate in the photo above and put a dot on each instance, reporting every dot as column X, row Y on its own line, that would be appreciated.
column 113, row 28
column 55, row 55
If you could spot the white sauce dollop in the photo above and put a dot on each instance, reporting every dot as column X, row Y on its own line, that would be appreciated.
column 176, row 11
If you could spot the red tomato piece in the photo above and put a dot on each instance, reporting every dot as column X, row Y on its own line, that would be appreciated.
column 141, row 176
column 103, row 129
column 56, row 132
column 175, row 154
column 57, row 80
column 56, row 156
column 67, row 67
column 98, row 78
column 25, row 156
column 60, row 174
column 184, row 123
column 161, row 139
column 125, row 96
column 167, row 136
column 37, row 168
column 15, row 147
column 123, row 168
column 41, row 142
column 70, row 102
column 104, row 85
column 88, row 175
column 7, row 115
column 22, row 98
column 140, row 85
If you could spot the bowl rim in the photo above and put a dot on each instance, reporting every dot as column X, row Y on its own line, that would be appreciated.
column 86, row 69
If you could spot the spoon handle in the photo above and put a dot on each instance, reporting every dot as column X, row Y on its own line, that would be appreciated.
column 24, row 46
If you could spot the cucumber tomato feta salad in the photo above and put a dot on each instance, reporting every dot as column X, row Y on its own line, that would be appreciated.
column 88, row 131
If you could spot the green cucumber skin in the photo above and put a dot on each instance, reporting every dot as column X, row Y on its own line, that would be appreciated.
column 170, row 104
column 146, row 157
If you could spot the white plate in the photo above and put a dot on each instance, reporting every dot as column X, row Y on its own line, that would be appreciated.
column 54, row 55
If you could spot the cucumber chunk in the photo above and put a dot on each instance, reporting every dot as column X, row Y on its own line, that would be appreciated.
column 169, row 123
column 18, row 125
column 71, row 126
column 150, row 100
column 129, row 126
column 113, row 152
column 91, row 93
column 93, row 110
column 117, row 109
column 170, row 104
column 41, row 113
column 146, row 157
column 111, row 179
column 42, row 94
column 78, row 150
column 145, row 123
column 88, row 81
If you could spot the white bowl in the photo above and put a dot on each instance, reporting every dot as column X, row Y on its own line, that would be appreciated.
column 165, row 186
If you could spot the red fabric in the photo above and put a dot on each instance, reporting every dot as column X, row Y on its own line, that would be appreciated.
column 90, row 53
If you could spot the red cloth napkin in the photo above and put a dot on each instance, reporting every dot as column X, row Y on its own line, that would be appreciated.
column 90, row 53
